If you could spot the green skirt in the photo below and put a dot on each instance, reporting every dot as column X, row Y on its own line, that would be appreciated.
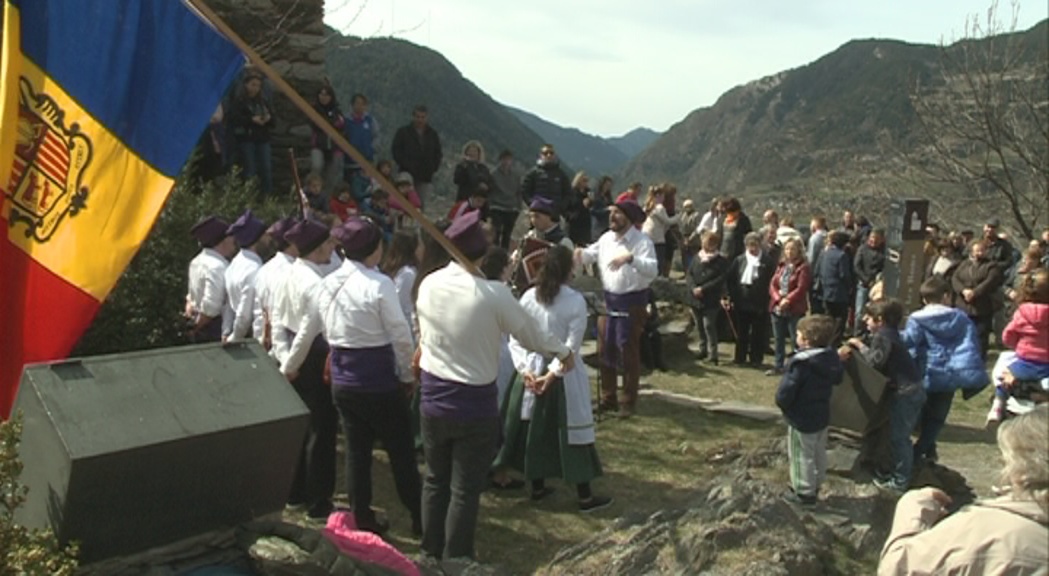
column 539, row 449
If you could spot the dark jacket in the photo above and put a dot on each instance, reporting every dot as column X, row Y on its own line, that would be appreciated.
column 797, row 296
column 469, row 176
column 549, row 181
column 710, row 276
column 420, row 157
column 869, row 262
column 887, row 354
column 753, row 297
column 804, row 392
column 945, row 275
column 241, row 123
column 578, row 217
column 732, row 236
column 322, row 141
column 834, row 274
column 983, row 277
column 1000, row 252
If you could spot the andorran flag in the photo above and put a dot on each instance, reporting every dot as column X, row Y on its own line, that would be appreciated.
column 101, row 103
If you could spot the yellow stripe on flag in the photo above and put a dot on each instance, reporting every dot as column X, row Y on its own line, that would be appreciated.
column 10, row 62
column 79, row 201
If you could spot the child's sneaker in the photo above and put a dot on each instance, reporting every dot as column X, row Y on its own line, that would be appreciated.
column 888, row 485
column 994, row 416
column 803, row 500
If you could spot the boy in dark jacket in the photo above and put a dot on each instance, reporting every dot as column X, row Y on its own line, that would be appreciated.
column 804, row 397
column 887, row 354
column 706, row 284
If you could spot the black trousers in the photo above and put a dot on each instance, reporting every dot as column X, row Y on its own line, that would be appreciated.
column 314, row 481
column 503, row 225
column 382, row 416
column 983, row 332
column 458, row 457
column 753, row 330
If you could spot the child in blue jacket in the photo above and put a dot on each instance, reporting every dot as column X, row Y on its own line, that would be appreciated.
column 804, row 397
column 944, row 343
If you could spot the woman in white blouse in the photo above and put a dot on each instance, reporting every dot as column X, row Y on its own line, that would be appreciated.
column 657, row 222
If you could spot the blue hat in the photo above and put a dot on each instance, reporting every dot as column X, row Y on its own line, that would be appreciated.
column 357, row 236
column 544, row 205
column 468, row 235
column 210, row 231
column 307, row 236
column 247, row 229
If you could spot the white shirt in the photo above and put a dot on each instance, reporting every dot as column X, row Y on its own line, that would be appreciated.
column 631, row 277
column 240, row 288
column 207, row 287
column 403, row 281
column 269, row 276
column 657, row 223
column 709, row 222
column 289, row 309
column 461, row 320
column 355, row 307
column 566, row 319
column 334, row 264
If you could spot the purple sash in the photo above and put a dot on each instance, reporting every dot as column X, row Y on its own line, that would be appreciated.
column 619, row 324
column 364, row 369
column 442, row 398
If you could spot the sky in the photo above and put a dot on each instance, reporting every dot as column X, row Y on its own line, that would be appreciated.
column 609, row 66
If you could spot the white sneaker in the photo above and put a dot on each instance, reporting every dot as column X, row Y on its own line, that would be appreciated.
column 994, row 415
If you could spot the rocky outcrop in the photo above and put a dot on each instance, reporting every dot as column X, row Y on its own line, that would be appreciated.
column 739, row 525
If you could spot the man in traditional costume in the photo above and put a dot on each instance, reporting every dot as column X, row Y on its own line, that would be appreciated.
column 461, row 319
column 206, row 304
column 626, row 259
column 248, row 232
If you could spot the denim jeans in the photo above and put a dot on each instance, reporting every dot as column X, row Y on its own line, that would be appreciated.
column 458, row 456
column 933, row 418
column 784, row 327
column 707, row 326
column 331, row 170
column 903, row 415
column 257, row 159
column 862, row 293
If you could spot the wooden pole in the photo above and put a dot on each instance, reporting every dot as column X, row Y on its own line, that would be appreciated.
column 336, row 137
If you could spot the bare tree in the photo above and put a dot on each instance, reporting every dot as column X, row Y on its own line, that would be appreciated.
column 984, row 121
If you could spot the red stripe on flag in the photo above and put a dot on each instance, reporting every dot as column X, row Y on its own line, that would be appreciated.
column 42, row 316
column 57, row 158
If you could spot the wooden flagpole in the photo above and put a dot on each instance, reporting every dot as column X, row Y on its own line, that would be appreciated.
column 336, row 137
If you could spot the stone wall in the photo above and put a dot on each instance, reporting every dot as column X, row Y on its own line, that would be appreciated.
column 289, row 35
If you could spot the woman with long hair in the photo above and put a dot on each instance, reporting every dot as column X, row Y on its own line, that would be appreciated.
column 549, row 425
column 326, row 159
column 577, row 210
column 401, row 263
column 656, row 225
column 602, row 203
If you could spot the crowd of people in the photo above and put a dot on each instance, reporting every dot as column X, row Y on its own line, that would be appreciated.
column 475, row 360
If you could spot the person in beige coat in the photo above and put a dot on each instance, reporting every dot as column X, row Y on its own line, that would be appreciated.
column 1006, row 535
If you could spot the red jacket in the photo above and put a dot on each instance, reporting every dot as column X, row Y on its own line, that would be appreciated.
column 1028, row 332
column 461, row 207
column 342, row 209
column 797, row 298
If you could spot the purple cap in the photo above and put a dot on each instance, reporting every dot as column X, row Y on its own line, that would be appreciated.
column 247, row 229
column 544, row 205
column 209, row 231
column 468, row 235
column 632, row 210
column 307, row 236
column 279, row 228
column 357, row 236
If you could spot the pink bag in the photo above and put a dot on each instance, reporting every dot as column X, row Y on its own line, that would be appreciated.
column 342, row 531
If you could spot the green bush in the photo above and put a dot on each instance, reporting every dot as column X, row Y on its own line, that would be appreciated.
column 24, row 551
column 144, row 310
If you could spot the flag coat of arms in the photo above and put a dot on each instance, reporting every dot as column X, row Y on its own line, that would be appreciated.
column 101, row 102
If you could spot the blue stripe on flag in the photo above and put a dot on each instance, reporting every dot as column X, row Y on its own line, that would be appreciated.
column 149, row 70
